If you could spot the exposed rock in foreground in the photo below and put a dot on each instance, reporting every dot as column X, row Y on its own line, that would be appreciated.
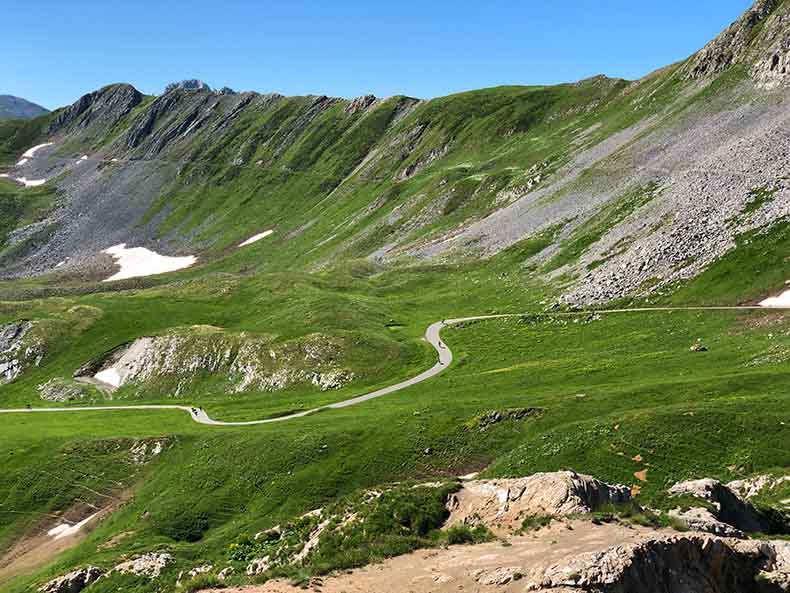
column 576, row 557
column 73, row 582
column 504, row 504
column 731, row 509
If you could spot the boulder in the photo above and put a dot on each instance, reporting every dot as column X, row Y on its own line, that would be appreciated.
column 503, row 504
column 701, row 519
column 73, row 582
column 148, row 565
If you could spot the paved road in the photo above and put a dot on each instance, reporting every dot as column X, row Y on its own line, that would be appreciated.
column 432, row 336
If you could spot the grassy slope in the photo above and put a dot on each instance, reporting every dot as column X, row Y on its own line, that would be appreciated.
column 722, row 413
column 687, row 414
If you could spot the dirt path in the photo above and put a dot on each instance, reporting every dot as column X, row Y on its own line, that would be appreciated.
column 432, row 336
column 40, row 547
column 480, row 568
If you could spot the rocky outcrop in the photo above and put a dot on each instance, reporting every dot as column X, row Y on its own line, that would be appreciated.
column 360, row 104
column 759, row 39
column 504, row 504
column 703, row 564
column 247, row 362
column 17, row 350
column 101, row 109
column 750, row 487
column 148, row 565
column 191, row 84
column 729, row 507
column 58, row 389
column 702, row 519
column 73, row 582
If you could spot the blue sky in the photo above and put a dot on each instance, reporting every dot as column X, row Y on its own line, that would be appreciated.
column 56, row 50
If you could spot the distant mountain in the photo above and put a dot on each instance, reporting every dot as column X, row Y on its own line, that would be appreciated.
column 17, row 108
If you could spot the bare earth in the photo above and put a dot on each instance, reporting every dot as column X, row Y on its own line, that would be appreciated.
column 476, row 568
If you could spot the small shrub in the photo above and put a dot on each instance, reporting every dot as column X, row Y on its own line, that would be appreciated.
column 535, row 522
column 202, row 582
column 463, row 534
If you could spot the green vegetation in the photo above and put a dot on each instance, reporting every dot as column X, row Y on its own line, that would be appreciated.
column 16, row 136
column 637, row 398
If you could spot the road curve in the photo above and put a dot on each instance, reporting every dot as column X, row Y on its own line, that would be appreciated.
column 432, row 336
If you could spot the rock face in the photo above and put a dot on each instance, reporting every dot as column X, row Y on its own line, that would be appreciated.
column 192, row 84
column 702, row 564
column 247, row 362
column 701, row 519
column 148, row 565
column 504, row 504
column 730, row 508
column 73, row 582
column 101, row 109
column 17, row 353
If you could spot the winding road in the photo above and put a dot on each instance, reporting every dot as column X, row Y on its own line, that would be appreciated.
column 432, row 336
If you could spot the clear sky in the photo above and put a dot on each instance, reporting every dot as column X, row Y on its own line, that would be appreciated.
column 56, row 50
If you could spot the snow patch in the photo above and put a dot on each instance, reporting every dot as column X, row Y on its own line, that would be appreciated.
column 30, row 182
column 136, row 262
column 111, row 376
column 255, row 238
column 22, row 162
column 32, row 151
column 84, row 157
column 24, row 180
column 66, row 530
column 781, row 301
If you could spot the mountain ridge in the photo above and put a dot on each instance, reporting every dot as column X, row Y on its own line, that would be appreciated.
column 12, row 107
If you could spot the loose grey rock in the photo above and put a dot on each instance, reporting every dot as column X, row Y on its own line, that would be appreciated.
column 148, row 565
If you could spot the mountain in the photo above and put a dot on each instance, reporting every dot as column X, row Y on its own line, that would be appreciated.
column 541, row 331
column 649, row 164
column 17, row 108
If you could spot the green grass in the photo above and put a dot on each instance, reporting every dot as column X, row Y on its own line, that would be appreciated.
column 686, row 414
column 620, row 396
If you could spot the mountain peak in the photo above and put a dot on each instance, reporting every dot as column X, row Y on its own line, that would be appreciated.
column 190, row 84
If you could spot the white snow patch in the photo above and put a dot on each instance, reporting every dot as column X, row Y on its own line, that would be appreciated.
column 136, row 262
column 65, row 530
column 32, row 151
column 60, row 263
column 84, row 157
column 24, row 180
column 30, row 182
column 255, row 238
column 781, row 301
column 22, row 162
column 114, row 160
column 111, row 376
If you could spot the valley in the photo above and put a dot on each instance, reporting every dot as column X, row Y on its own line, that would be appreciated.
column 522, row 338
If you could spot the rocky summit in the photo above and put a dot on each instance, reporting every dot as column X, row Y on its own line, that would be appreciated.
column 520, row 338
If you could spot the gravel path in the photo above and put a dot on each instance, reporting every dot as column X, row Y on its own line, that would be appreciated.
column 432, row 336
